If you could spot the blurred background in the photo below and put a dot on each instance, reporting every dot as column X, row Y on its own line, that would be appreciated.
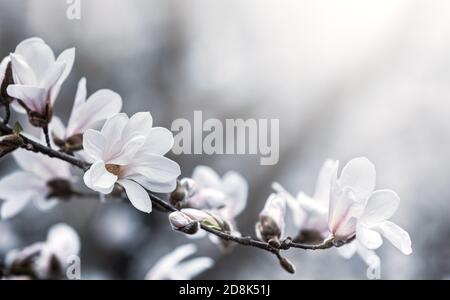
column 345, row 78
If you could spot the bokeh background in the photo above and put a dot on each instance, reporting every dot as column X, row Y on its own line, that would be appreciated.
column 345, row 78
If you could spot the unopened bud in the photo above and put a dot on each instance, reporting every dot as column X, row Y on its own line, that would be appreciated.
column 271, row 223
column 206, row 218
column 181, row 222
column 59, row 188
column 9, row 143
column 287, row 265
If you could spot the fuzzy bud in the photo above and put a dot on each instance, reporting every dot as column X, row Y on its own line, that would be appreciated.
column 287, row 265
column 271, row 223
column 9, row 143
column 181, row 222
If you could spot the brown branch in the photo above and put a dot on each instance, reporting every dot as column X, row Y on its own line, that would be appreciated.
column 168, row 208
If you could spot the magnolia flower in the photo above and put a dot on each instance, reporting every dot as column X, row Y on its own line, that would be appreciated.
column 45, row 260
column 128, row 151
column 226, row 196
column 42, row 179
column 3, row 67
column 86, row 114
column 38, row 77
column 271, row 225
column 356, row 209
column 172, row 267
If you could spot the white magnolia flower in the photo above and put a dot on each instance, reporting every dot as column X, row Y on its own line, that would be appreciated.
column 172, row 267
column 226, row 196
column 48, row 259
column 87, row 113
column 356, row 209
column 42, row 179
column 271, row 223
column 38, row 75
column 128, row 151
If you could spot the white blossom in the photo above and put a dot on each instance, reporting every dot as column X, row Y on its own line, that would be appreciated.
column 271, row 223
column 172, row 266
column 48, row 259
column 128, row 151
column 87, row 113
column 356, row 209
column 38, row 75
column 36, row 181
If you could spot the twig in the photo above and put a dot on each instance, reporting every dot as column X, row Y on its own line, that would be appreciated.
column 47, row 137
column 168, row 208
column 7, row 114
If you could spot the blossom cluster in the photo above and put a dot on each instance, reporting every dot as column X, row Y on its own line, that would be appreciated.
column 127, row 156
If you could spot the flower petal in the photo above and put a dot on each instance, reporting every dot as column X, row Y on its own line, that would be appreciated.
column 52, row 76
column 13, row 207
column 159, row 141
column 323, row 184
column 128, row 152
column 99, row 107
column 42, row 166
column 396, row 235
column 57, row 128
column 33, row 97
column 22, row 72
column 137, row 195
column 190, row 269
column 99, row 179
column 63, row 241
column 138, row 125
column 367, row 237
column 155, row 168
column 94, row 144
column 38, row 55
column 236, row 188
column 360, row 175
column 380, row 206
column 206, row 177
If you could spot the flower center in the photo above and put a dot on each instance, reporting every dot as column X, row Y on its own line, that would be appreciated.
column 114, row 169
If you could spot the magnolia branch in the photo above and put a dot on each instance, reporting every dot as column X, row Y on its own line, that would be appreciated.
column 164, row 206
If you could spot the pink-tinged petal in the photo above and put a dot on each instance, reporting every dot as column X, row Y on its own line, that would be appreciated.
column 22, row 72
column 94, row 144
column 42, row 166
column 20, row 185
column 206, row 177
column 128, row 151
column 159, row 141
column 155, row 168
column 396, row 235
column 32, row 97
column 137, row 195
column 52, row 76
column 236, row 188
column 347, row 251
column 360, row 175
column 138, row 125
column 381, row 206
column 67, row 57
column 99, row 107
column 38, row 55
column 344, row 207
column 323, row 184
column 99, row 179
column 367, row 237
column 154, row 186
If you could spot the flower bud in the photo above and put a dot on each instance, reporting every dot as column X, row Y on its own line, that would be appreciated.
column 208, row 219
column 41, row 119
column 9, row 143
column 181, row 222
column 59, row 188
column 271, row 223
column 287, row 265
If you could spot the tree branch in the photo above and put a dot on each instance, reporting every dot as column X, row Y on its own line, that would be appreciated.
column 168, row 208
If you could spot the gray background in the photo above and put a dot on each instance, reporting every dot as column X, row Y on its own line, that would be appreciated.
column 345, row 78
